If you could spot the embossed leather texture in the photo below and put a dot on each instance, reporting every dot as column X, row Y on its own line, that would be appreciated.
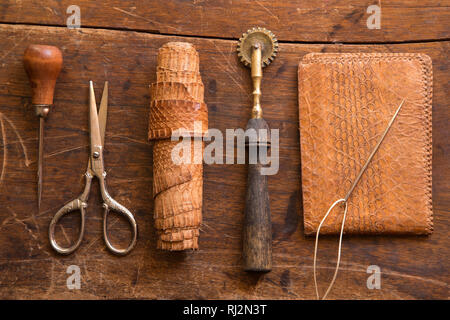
column 345, row 103
column 177, row 103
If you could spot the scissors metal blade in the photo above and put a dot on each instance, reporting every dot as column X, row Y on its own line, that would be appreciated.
column 103, row 112
column 96, row 139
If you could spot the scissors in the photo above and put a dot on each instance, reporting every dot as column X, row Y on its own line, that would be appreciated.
column 95, row 168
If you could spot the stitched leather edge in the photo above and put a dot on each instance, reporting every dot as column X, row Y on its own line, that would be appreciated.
column 427, row 81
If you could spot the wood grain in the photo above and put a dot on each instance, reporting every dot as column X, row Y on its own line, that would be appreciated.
column 412, row 267
column 257, row 224
column 43, row 65
column 304, row 21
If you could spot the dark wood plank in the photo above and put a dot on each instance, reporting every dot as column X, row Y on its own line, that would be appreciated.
column 412, row 267
column 307, row 20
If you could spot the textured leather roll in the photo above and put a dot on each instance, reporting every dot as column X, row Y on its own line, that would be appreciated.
column 345, row 104
column 178, row 56
column 180, row 76
column 177, row 91
column 166, row 116
column 177, row 103
column 167, row 174
column 179, row 235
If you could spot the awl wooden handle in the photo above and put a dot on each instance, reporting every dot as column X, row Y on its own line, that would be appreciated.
column 257, row 237
column 42, row 64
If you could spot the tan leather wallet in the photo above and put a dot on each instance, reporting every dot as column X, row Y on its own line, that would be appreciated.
column 345, row 103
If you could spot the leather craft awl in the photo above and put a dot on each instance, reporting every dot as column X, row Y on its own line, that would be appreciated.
column 257, row 48
column 42, row 64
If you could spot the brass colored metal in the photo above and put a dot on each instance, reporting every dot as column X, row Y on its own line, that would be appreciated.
column 256, row 78
column 95, row 169
column 257, row 48
column 267, row 42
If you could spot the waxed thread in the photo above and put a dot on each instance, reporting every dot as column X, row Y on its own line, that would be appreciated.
column 345, row 201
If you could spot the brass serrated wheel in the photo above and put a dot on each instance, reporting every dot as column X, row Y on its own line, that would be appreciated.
column 264, row 38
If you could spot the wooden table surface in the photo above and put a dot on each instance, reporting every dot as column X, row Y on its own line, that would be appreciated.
column 118, row 42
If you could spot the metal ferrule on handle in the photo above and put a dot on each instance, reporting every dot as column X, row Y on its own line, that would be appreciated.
column 42, row 110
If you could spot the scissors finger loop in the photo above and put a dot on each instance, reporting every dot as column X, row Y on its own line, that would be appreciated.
column 113, row 205
column 72, row 206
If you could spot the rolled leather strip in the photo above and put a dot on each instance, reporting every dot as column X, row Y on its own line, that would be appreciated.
column 180, row 76
column 179, row 235
column 188, row 219
column 177, row 91
column 178, row 245
column 179, row 199
column 177, row 103
column 166, row 173
column 178, row 56
column 166, row 116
